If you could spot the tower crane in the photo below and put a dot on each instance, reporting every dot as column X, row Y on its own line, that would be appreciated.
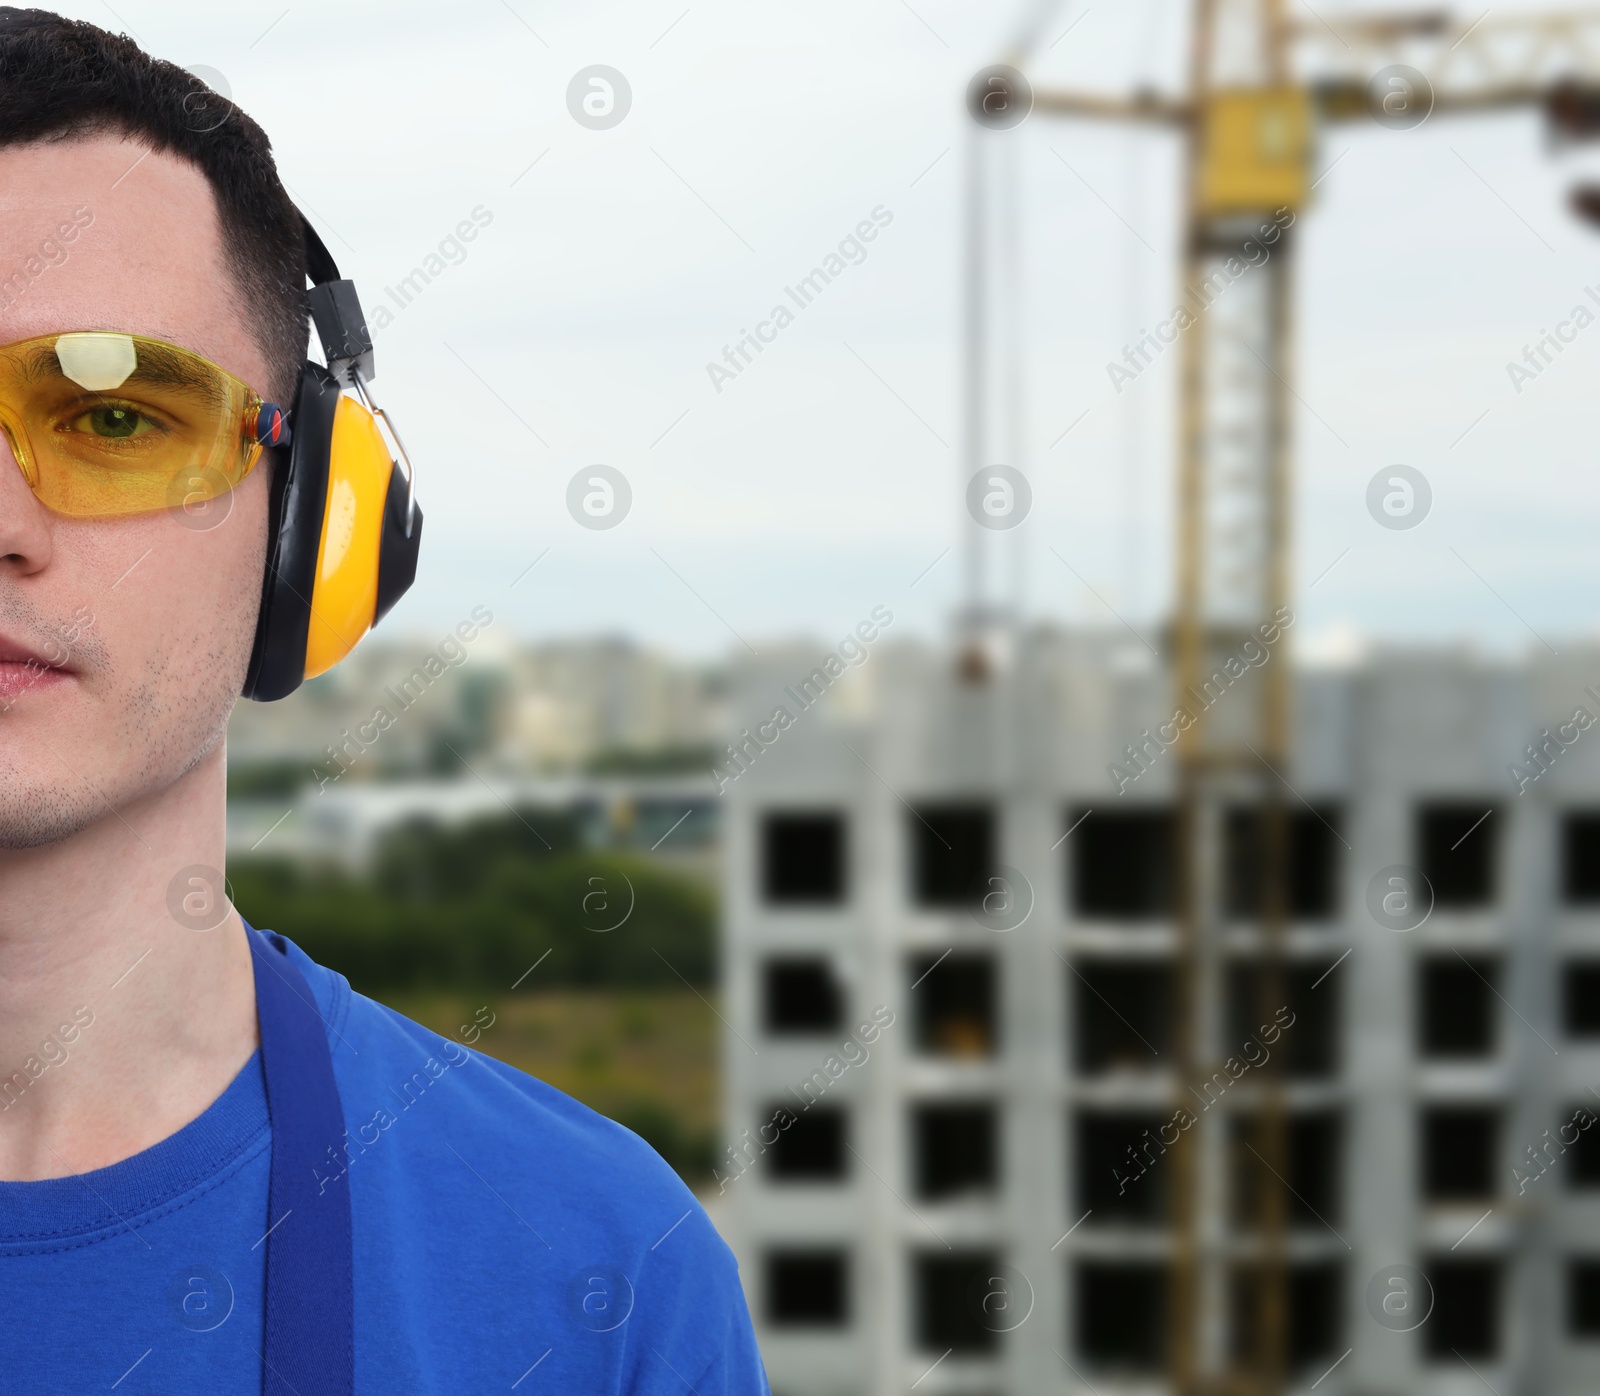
column 1260, row 85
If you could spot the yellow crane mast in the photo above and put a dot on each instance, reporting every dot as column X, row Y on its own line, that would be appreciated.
column 1260, row 84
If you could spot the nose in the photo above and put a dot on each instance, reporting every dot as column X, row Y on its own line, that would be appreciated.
column 26, row 526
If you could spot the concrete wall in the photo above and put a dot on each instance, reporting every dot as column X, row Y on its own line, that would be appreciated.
column 1036, row 742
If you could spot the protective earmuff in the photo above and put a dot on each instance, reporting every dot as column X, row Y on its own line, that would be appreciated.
column 344, row 528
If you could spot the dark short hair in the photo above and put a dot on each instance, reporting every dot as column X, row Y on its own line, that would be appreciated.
column 62, row 79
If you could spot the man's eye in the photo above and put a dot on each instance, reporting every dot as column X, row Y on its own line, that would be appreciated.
column 113, row 423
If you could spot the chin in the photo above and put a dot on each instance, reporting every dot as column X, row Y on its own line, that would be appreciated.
column 36, row 810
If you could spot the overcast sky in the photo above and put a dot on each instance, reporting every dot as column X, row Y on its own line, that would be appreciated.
column 615, row 264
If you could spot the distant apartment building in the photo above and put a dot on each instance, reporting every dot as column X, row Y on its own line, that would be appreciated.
column 408, row 707
column 573, row 700
column 941, row 1174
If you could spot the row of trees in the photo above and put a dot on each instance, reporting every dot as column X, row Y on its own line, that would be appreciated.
column 475, row 906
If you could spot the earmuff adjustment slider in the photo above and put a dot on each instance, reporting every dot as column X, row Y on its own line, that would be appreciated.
column 342, row 328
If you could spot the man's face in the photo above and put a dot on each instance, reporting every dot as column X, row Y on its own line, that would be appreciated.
column 146, row 622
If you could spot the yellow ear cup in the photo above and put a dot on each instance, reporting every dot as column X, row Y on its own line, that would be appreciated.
column 345, row 595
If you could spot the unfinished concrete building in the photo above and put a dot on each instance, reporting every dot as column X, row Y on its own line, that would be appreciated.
column 948, row 952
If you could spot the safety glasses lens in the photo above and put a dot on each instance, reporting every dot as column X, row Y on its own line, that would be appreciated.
column 109, row 424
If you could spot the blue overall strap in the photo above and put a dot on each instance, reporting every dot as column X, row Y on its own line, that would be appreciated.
column 309, row 1348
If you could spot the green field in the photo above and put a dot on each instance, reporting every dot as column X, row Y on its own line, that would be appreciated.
column 646, row 1058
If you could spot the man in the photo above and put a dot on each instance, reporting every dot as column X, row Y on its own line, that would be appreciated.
column 191, row 1197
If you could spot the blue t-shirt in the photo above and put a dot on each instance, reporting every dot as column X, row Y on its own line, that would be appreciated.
column 505, row 1238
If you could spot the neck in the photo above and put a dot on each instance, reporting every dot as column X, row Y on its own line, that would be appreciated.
column 127, row 996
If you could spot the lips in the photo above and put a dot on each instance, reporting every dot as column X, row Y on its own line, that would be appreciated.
column 11, row 652
column 23, row 670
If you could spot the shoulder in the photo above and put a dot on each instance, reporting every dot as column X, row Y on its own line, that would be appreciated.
column 489, row 1167
column 464, row 1099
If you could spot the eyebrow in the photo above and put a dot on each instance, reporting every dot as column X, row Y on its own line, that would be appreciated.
column 157, row 364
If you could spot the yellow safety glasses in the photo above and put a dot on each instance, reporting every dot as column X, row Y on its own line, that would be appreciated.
column 105, row 425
